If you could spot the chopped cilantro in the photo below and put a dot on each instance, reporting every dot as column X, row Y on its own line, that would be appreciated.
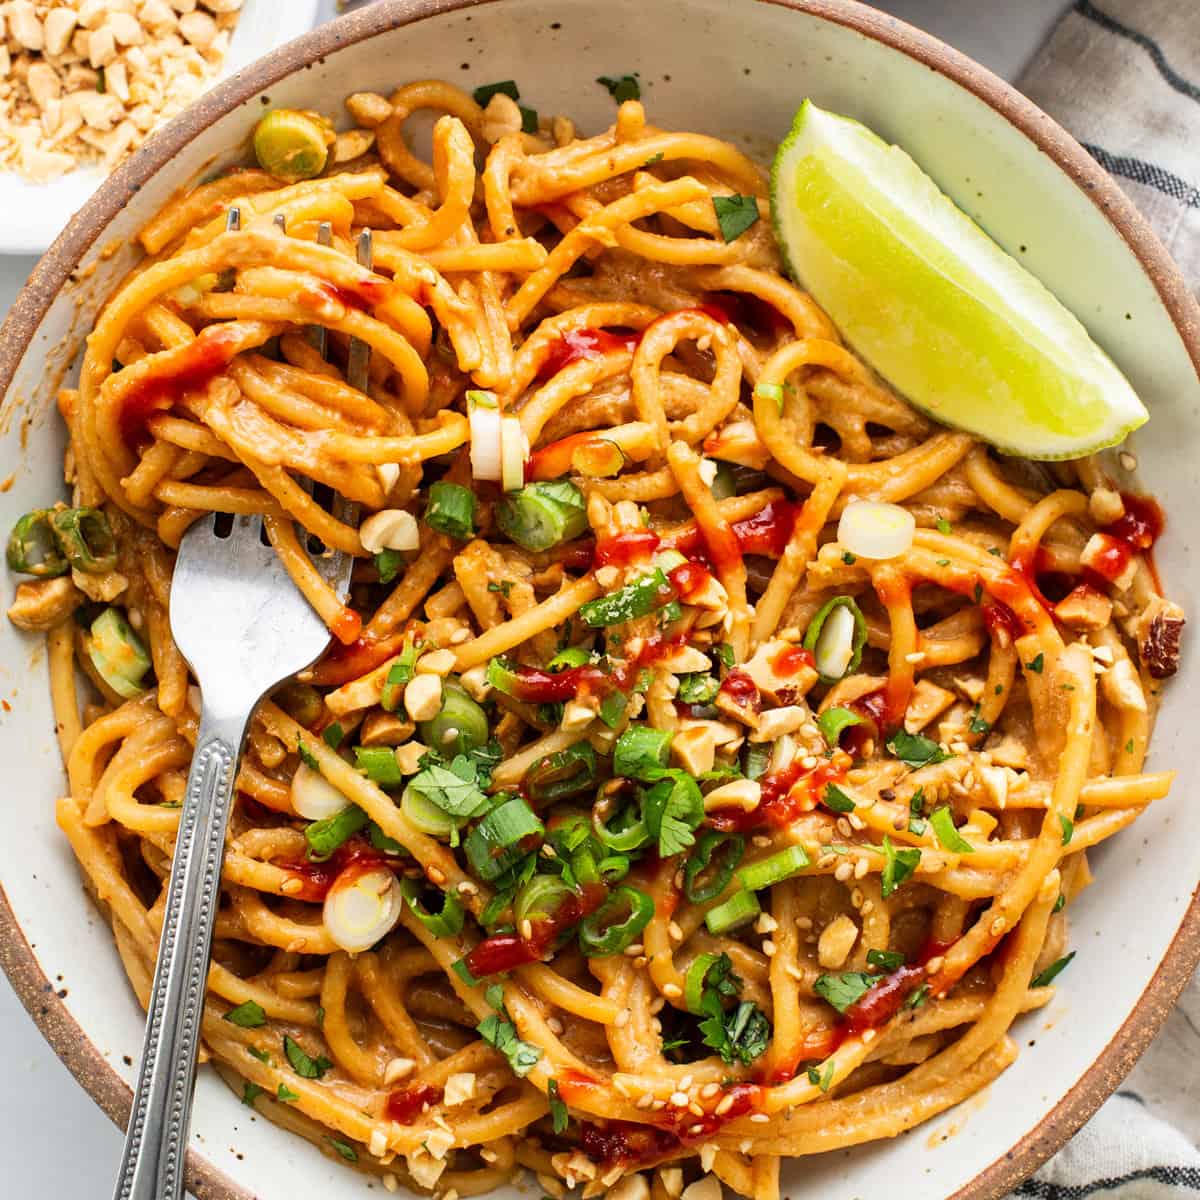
column 506, row 87
column 914, row 750
column 558, row 1110
column 622, row 87
column 248, row 1016
column 250, row 1093
column 899, row 866
column 302, row 1064
column 285, row 1094
column 1037, row 663
column 843, row 988
column 735, row 214
column 1052, row 972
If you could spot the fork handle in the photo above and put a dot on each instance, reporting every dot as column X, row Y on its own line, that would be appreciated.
column 155, row 1154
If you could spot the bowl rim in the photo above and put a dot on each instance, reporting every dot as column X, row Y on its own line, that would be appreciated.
column 68, row 1039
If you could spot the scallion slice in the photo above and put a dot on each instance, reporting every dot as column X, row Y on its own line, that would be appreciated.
column 836, row 662
column 494, row 844
column 33, row 549
column 638, row 598
column 565, row 773
column 324, row 837
column 460, row 726
column 379, row 764
column 774, row 869
column 740, row 909
column 451, row 510
column 541, row 515
column 540, row 898
column 833, row 721
column 86, row 538
column 616, row 923
column 446, row 923
column 721, row 851
column 641, row 750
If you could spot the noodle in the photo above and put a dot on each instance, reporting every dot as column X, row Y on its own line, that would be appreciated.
column 913, row 825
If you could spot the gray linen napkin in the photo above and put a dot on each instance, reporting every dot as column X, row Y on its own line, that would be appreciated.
column 1123, row 76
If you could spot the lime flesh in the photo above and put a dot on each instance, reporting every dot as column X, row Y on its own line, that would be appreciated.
column 948, row 318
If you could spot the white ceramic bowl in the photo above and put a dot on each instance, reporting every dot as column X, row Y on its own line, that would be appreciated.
column 35, row 213
column 736, row 69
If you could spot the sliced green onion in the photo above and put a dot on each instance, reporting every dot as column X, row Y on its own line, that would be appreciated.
column 774, row 869
column 616, row 923
column 835, row 660
column 446, row 923
column 541, row 515
column 724, row 483
column 451, row 510
column 757, row 758
column 460, row 726
column 565, row 773
column 476, row 398
column 399, row 675
column 740, row 909
column 612, row 708
column 494, row 844
column 33, row 549
column 502, row 677
column 641, row 750
column 723, row 851
column 697, row 977
column 118, row 654
column 379, row 764
column 636, row 599
column 770, row 391
column 572, row 656
column 833, row 721
column 612, row 867
column 1052, row 972
column 625, row 832
column 324, row 837
column 86, row 538
column 942, row 820
column 426, row 815
column 540, row 898
column 302, row 702
column 291, row 144
column 697, row 688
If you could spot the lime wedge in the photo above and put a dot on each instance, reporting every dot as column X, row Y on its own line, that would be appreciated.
column 954, row 323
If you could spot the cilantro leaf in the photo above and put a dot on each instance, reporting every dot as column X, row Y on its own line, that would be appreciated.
column 1052, row 972
column 250, row 1093
column 506, row 87
column 1068, row 829
column 899, row 866
column 673, row 808
column 302, row 1064
column 742, row 1033
column 942, row 820
column 843, row 988
column 522, row 1057
column 622, row 87
column 248, row 1016
column 914, row 750
column 837, row 800
column 449, row 790
column 285, row 1094
column 558, row 1110
column 344, row 1149
column 735, row 214
column 885, row 960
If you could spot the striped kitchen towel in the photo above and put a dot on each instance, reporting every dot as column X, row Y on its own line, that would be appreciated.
column 1123, row 76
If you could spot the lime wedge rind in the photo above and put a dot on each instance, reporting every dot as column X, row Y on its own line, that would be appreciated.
column 937, row 308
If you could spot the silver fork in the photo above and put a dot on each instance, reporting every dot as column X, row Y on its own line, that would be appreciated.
column 243, row 627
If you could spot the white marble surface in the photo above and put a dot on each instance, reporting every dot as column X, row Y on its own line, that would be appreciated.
column 55, row 1143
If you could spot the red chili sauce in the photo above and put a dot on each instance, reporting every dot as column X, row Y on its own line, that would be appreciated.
column 506, row 951
column 887, row 997
column 786, row 796
column 405, row 1106
column 191, row 366
column 621, row 549
column 346, row 662
column 764, row 532
column 578, row 344
column 354, row 856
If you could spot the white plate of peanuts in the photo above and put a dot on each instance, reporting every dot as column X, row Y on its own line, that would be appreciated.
column 83, row 83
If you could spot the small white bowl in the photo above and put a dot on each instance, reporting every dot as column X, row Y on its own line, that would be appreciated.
column 738, row 70
column 35, row 213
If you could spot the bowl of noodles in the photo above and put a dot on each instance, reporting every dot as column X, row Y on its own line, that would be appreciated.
column 701, row 841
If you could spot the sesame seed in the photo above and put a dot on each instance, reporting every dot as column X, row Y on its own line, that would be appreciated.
column 868, row 906
column 672, row 991
column 527, row 929
column 436, row 875
column 808, row 762
column 289, row 887
column 645, row 1101
column 696, row 1111
column 622, row 1018
column 725, row 1105
column 761, row 1118
column 934, row 965
column 768, row 948
column 856, row 898
column 843, row 827
column 760, row 840
column 695, row 1129
column 658, row 1105
column 675, row 932
column 679, row 1099
column 868, row 1035
column 861, row 868
column 555, row 1026
column 1127, row 460
column 634, row 950
column 915, row 657
column 804, row 922
column 856, row 822
column 999, row 925
column 844, row 871
column 709, row 1090
column 468, row 888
